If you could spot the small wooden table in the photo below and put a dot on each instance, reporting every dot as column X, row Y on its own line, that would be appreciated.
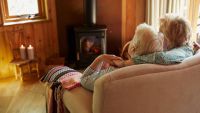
column 25, row 66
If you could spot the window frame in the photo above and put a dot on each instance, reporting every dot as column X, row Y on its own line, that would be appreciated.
column 11, row 20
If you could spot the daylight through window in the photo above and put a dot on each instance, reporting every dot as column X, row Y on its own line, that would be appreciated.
column 22, row 7
column 23, row 11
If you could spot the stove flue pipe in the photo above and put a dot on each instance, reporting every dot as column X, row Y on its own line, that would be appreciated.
column 90, row 12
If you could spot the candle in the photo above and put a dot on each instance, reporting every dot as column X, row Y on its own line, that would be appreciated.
column 30, row 51
column 23, row 52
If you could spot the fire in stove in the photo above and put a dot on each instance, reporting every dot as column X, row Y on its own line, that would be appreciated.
column 90, row 45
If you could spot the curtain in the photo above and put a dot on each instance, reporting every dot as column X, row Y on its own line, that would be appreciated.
column 186, row 8
column 158, row 8
column 193, row 16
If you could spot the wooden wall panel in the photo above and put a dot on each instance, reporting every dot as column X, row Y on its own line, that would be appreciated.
column 42, row 35
column 1, row 22
column 134, row 14
column 140, row 11
column 109, row 13
column 69, row 14
column 5, row 56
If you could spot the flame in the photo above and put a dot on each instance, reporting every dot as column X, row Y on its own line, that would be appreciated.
column 22, row 46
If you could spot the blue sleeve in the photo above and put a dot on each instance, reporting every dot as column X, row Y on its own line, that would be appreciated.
column 173, row 56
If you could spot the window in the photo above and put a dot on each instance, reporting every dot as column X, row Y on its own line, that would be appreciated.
column 198, row 23
column 23, row 11
column 158, row 8
column 186, row 8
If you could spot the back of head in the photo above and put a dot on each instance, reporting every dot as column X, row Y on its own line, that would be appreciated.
column 180, row 31
column 176, row 29
column 145, row 41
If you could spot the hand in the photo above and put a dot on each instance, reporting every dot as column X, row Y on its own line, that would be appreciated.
column 196, row 46
column 123, row 63
column 119, row 63
column 107, row 59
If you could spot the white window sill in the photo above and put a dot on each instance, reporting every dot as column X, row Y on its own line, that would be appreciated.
column 24, row 22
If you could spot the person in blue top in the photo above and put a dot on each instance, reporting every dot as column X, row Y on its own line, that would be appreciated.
column 170, row 47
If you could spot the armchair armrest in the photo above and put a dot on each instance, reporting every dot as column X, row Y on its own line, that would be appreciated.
column 169, row 92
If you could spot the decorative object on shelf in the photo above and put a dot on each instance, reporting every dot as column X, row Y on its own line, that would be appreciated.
column 23, row 52
column 30, row 51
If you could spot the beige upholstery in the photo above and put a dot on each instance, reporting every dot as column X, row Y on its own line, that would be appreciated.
column 158, row 89
column 78, row 100
column 168, row 92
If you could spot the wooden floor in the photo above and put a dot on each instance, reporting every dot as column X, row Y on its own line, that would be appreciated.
column 22, row 97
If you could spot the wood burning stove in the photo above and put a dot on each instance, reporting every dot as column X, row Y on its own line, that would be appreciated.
column 90, row 38
column 90, row 42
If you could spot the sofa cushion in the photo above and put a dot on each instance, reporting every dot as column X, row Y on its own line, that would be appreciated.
column 78, row 100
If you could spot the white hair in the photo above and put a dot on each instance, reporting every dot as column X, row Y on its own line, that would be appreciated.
column 145, row 41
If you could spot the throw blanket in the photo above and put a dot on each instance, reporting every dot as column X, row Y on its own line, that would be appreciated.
column 59, row 78
column 68, row 77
